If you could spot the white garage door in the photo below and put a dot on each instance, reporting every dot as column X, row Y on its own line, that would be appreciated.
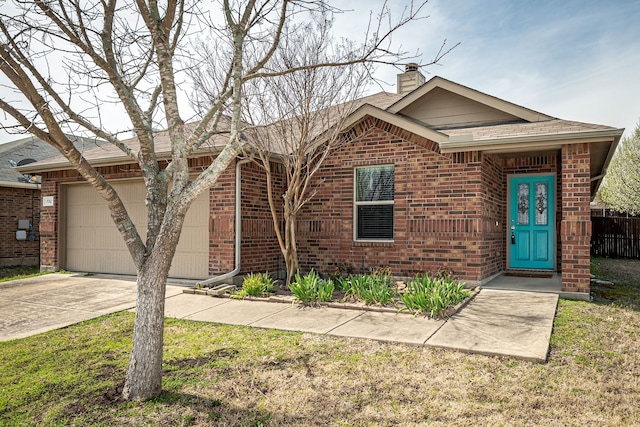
column 94, row 244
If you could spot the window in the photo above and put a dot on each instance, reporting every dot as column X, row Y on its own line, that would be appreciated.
column 373, row 211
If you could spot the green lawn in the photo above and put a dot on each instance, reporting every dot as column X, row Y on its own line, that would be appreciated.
column 226, row 375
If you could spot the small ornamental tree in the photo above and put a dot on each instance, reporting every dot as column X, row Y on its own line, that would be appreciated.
column 299, row 117
column 621, row 187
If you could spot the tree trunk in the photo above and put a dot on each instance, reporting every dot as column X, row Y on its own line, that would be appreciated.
column 291, row 263
column 291, row 252
column 144, row 375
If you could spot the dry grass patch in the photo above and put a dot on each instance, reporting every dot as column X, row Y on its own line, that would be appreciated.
column 226, row 375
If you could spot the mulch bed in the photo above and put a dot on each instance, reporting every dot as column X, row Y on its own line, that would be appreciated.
column 284, row 296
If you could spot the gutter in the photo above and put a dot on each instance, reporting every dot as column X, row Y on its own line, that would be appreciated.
column 61, row 163
column 13, row 184
column 238, row 232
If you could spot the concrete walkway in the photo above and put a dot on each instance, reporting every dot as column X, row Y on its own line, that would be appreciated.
column 507, row 323
column 496, row 322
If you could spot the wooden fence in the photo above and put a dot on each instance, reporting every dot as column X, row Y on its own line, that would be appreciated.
column 615, row 237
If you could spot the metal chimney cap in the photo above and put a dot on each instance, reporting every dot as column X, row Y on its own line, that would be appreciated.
column 412, row 66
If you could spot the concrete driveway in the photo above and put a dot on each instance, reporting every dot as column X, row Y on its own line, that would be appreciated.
column 42, row 303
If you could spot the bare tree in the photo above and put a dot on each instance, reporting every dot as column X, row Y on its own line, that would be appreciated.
column 64, row 61
column 302, row 117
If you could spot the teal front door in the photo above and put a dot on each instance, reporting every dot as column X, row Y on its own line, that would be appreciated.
column 531, row 237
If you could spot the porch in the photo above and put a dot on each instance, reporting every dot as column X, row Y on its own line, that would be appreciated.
column 542, row 283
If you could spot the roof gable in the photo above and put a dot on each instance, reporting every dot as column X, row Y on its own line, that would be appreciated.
column 442, row 104
column 393, row 119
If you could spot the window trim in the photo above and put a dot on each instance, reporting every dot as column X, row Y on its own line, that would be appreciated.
column 368, row 203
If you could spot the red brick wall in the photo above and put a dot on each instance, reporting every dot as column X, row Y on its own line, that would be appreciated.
column 222, row 223
column 16, row 204
column 576, row 220
column 445, row 211
column 438, row 208
column 49, row 260
column 260, row 249
column 494, row 190
column 450, row 210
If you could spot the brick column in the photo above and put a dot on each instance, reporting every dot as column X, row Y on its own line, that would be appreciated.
column 49, row 215
column 222, row 223
column 575, row 229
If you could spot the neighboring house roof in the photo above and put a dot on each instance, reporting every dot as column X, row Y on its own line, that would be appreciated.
column 457, row 117
column 24, row 151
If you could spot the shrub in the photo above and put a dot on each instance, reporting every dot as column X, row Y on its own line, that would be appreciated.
column 431, row 295
column 311, row 288
column 256, row 285
column 375, row 288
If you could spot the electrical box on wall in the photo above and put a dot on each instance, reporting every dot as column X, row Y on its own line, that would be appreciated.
column 23, row 224
column 21, row 235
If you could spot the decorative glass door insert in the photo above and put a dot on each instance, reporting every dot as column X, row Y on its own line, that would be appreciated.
column 531, row 231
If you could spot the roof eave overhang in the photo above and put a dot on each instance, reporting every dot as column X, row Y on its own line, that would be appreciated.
column 26, row 185
column 108, row 161
column 532, row 142
column 65, row 165
column 597, row 180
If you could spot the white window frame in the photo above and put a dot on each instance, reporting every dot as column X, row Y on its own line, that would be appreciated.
column 356, row 203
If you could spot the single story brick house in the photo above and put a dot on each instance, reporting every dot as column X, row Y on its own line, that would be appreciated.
column 437, row 176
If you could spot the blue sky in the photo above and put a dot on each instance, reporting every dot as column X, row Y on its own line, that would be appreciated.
column 575, row 60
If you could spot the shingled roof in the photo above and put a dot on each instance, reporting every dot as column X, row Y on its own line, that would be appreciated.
column 30, row 150
column 511, row 130
column 519, row 129
column 110, row 154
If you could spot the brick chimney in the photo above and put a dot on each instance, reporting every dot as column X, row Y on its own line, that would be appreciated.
column 411, row 79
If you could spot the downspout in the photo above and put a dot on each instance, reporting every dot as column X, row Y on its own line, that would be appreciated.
column 238, row 231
